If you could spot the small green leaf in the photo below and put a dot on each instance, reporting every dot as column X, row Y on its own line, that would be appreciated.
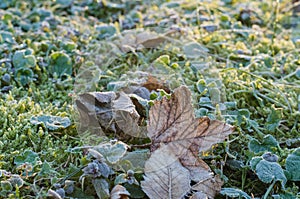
column 69, row 46
column 292, row 165
column 24, row 59
column 46, row 170
column 64, row 3
column 206, row 102
column 6, row 186
column 234, row 193
column 105, row 31
column 101, row 187
column 254, row 161
column 24, row 76
column 16, row 181
column 243, row 115
column 134, row 190
column 6, row 37
column 51, row 122
column 273, row 119
column 269, row 171
column 195, row 50
column 164, row 59
column 137, row 158
column 215, row 95
column 27, row 156
column 60, row 63
column 112, row 152
column 120, row 179
column 201, row 85
column 269, row 143
column 163, row 63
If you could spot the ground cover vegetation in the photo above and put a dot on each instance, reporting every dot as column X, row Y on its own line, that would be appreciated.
column 95, row 94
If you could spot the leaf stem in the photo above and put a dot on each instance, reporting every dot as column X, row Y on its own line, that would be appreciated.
column 269, row 189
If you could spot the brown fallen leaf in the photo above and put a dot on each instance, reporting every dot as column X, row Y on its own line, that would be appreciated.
column 134, row 40
column 154, row 84
column 105, row 112
column 172, row 121
column 126, row 116
column 199, row 195
column 95, row 111
column 209, row 186
column 119, row 192
column 198, row 169
column 165, row 176
column 174, row 131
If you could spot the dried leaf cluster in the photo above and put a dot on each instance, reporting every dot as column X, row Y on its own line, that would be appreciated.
column 174, row 169
column 177, row 138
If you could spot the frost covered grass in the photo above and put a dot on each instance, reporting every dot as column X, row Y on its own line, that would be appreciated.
column 239, row 59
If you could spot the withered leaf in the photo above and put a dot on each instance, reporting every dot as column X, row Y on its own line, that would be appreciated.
column 138, row 40
column 96, row 112
column 209, row 186
column 198, row 169
column 199, row 195
column 126, row 116
column 173, row 122
column 119, row 192
column 153, row 84
column 108, row 112
column 133, row 39
column 165, row 176
column 175, row 132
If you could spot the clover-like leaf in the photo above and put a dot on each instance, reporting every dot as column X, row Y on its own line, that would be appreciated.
column 105, row 31
column 24, row 59
column 137, row 158
column 194, row 50
column 28, row 156
column 16, row 181
column 46, row 169
column 269, row 143
column 273, row 119
column 51, row 122
column 24, row 76
column 6, row 37
column 234, row 193
column 6, row 186
column 112, row 152
column 60, row 63
column 292, row 165
column 254, row 161
column 269, row 171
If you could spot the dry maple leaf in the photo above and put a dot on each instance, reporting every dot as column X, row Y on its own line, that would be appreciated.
column 165, row 176
column 175, row 131
column 172, row 121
